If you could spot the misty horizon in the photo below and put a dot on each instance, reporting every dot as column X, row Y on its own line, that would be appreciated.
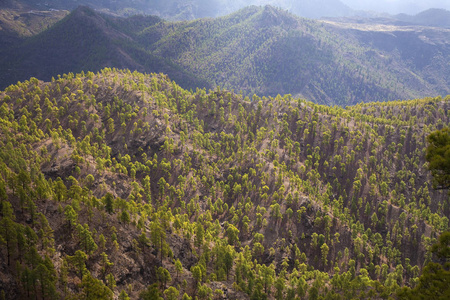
column 182, row 10
column 410, row 7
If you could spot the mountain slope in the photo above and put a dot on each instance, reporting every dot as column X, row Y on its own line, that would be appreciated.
column 17, row 24
column 268, row 51
column 124, row 182
column 27, row 23
column 84, row 40
column 264, row 51
column 431, row 17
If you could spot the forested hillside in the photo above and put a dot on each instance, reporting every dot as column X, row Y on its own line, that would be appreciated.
column 124, row 183
column 269, row 51
column 258, row 50
column 85, row 40
column 16, row 23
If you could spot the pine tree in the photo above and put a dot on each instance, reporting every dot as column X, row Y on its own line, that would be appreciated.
column 108, row 201
column 79, row 262
column 71, row 216
column 123, row 295
column 438, row 157
column 8, row 234
column 86, row 240
column 158, row 237
column 151, row 293
column 93, row 289
column 171, row 293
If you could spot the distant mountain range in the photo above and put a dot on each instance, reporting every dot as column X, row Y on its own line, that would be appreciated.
column 431, row 17
column 85, row 40
column 188, row 10
column 194, row 9
column 394, row 7
column 266, row 51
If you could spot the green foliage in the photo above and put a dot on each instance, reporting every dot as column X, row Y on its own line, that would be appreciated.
column 71, row 215
column 79, row 262
column 260, row 50
column 108, row 201
column 442, row 248
column 163, row 276
column 438, row 157
column 94, row 289
column 87, row 242
column 232, row 234
column 125, row 217
column 151, row 293
column 435, row 279
column 204, row 292
column 158, row 237
column 197, row 273
column 216, row 182
column 199, row 235
column 123, row 295
column 171, row 293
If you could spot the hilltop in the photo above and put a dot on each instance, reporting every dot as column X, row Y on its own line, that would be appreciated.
column 268, row 51
column 122, row 182
column 431, row 17
column 258, row 50
column 85, row 40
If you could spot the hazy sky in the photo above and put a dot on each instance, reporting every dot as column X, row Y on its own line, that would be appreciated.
column 397, row 6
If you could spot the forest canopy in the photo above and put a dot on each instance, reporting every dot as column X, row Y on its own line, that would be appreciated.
column 438, row 156
column 119, row 184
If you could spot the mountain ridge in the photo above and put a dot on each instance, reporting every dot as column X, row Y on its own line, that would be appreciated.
column 182, row 10
column 431, row 17
column 84, row 40
column 338, row 44
column 263, row 51
column 132, row 178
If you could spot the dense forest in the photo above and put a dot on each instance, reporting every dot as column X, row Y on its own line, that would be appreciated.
column 122, row 184
column 257, row 50
column 269, row 51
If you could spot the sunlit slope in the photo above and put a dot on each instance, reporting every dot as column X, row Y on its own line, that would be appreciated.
column 121, row 179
